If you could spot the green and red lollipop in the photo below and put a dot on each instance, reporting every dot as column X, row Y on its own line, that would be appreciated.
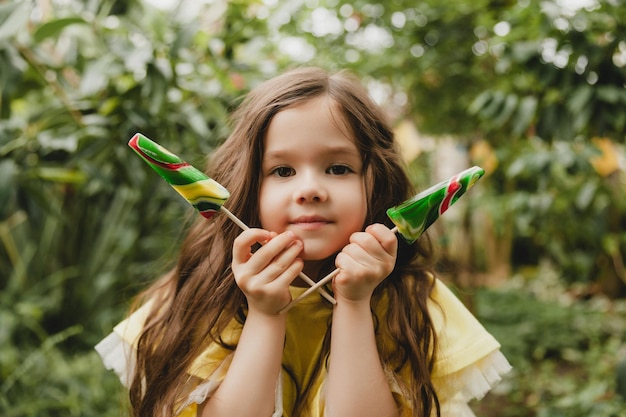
column 415, row 215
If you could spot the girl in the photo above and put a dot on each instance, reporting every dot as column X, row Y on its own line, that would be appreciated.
column 313, row 165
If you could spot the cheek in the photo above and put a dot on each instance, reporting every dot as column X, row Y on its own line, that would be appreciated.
column 264, row 207
column 364, row 201
column 361, row 218
column 269, row 206
column 356, row 209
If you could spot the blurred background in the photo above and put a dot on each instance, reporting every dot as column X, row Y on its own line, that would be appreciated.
column 532, row 91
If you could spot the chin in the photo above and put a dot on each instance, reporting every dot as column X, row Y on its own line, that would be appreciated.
column 318, row 255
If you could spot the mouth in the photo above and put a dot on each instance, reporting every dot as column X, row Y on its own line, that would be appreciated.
column 310, row 222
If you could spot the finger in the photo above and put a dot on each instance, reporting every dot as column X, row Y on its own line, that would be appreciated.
column 289, row 274
column 345, row 261
column 365, row 244
column 283, row 261
column 272, row 249
column 274, row 280
column 244, row 242
column 365, row 257
column 385, row 236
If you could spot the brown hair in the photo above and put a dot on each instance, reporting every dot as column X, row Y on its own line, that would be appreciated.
column 200, row 297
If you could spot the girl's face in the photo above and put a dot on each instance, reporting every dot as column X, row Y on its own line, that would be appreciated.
column 312, row 178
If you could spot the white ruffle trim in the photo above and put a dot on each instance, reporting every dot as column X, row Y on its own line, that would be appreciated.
column 199, row 394
column 454, row 409
column 117, row 355
column 478, row 380
column 471, row 383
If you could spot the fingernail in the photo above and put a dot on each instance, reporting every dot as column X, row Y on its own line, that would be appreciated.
column 296, row 242
column 270, row 236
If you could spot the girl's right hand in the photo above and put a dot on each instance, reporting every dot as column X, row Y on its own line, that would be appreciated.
column 264, row 275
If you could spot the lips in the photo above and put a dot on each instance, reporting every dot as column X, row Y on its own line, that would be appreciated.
column 310, row 222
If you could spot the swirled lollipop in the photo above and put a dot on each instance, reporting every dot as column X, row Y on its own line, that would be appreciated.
column 203, row 193
column 415, row 215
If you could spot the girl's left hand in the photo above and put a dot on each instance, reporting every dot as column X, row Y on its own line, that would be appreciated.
column 365, row 262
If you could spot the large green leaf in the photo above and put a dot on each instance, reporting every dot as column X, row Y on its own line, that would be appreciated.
column 54, row 27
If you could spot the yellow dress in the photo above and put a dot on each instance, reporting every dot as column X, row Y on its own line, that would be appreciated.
column 468, row 362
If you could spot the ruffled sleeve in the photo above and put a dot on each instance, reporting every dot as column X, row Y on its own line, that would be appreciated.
column 468, row 363
column 118, row 352
column 117, row 356
column 118, row 349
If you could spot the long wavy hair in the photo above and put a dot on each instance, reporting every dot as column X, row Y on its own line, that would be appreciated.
column 199, row 297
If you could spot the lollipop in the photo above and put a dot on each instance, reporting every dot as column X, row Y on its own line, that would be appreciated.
column 203, row 193
column 414, row 216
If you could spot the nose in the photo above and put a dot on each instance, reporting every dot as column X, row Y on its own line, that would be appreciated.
column 309, row 189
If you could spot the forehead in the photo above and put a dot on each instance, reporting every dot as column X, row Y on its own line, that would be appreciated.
column 319, row 121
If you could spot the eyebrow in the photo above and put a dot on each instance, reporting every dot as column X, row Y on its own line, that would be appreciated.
column 334, row 149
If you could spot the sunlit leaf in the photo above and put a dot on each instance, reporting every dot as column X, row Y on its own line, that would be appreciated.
column 585, row 195
column 479, row 102
column 493, row 106
column 524, row 115
column 580, row 98
column 509, row 106
column 13, row 18
column 59, row 175
column 610, row 94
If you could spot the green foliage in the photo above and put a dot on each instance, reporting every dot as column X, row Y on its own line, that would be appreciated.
column 564, row 351
column 84, row 224
column 423, row 51
column 51, row 382
column 550, row 188
column 559, row 73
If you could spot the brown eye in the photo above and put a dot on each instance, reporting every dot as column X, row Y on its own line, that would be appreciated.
column 339, row 170
column 282, row 171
